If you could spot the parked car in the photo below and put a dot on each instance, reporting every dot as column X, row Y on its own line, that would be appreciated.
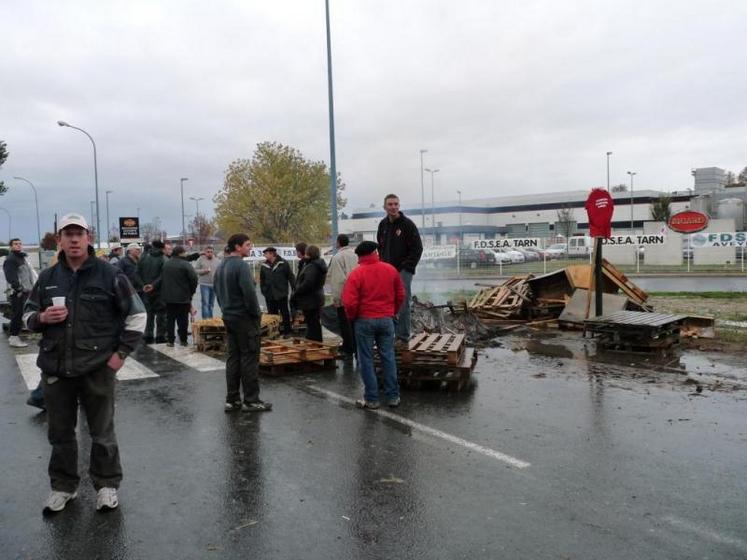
column 469, row 258
column 514, row 255
column 556, row 250
column 530, row 255
column 501, row 256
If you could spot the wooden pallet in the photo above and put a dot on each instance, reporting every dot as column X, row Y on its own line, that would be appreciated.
column 277, row 370
column 210, row 334
column 636, row 331
column 295, row 351
column 434, row 348
column 502, row 302
column 448, row 377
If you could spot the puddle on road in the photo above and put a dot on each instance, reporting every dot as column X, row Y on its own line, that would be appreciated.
column 684, row 368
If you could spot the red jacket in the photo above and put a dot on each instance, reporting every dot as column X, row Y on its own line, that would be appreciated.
column 373, row 290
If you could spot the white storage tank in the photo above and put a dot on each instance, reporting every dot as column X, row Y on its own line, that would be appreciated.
column 732, row 208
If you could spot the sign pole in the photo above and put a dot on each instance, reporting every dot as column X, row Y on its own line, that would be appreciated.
column 598, row 275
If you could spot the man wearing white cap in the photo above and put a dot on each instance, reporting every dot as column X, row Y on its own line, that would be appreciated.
column 90, row 318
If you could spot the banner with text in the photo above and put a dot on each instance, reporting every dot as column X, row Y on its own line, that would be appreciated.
column 725, row 239
column 439, row 252
column 508, row 243
column 129, row 229
column 288, row 253
column 635, row 240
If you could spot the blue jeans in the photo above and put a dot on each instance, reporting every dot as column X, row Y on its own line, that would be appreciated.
column 403, row 319
column 380, row 331
column 207, row 295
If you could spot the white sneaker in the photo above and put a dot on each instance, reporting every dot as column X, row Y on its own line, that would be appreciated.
column 106, row 499
column 16, row 342
column 58, row 500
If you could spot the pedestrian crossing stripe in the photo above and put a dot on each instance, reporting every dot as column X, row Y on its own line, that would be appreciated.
column 132, row 369
column 190, row 357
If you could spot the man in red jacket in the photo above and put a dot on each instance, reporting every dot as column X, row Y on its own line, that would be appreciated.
column 372, row 296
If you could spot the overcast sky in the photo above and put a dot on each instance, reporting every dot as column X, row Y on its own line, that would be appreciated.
column 508, row 97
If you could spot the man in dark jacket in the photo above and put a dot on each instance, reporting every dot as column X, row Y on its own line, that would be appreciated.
column 90, row 318
column 400, row 245
column 275, row 275
column 149, row 268
column 237, row 297
column 128, row 265
column 20, row 281
column 178, row 285
column 309, row 293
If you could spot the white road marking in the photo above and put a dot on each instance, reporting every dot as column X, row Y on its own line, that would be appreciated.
column 705, row 532
column 190, row 357
column 508, row 459
column 132, row 369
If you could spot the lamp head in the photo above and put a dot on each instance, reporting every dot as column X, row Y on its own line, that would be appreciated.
column 62, row 123
column 184, row 179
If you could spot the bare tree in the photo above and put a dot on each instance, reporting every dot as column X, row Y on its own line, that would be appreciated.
column 619, row 188
column 566, row 223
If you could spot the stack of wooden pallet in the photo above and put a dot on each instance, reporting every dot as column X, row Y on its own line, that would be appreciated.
column 296, row 355
column 441, row 360
column 210, row 334
column 636, row 331
column 501, row 303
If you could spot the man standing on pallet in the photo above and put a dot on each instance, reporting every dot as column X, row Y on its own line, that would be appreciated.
column 372, row 295
column 400, row 245
column 237, row 297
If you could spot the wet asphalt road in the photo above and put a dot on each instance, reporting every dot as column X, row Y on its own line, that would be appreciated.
column 622, row 465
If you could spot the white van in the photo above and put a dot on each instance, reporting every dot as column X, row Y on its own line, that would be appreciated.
column 580, row 246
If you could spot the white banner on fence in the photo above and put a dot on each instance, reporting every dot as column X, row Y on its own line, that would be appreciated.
column 439, row 252
column 288, row 253
column 508, row 243
column 636, row 240
column 727, row 239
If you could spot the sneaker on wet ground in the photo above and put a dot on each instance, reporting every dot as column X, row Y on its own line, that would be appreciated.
column 257, row 406
column 184, row 342
column 170, row 344
column 57, row 501
column 394, row 403
column 232, row 406
column 16, row 342
column 38, row 403
column 373, row 405
column 106, row 499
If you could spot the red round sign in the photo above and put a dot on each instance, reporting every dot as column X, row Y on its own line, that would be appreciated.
column 688, row 221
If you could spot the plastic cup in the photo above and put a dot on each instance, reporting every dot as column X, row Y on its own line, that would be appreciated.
column 59, row 300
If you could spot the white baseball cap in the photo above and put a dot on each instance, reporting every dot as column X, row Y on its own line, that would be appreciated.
column 133, row 246
column 72, row 219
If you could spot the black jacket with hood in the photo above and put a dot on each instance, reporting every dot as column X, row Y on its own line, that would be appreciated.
column 309, row 292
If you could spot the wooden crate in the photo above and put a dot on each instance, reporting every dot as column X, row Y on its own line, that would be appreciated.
column 296, row 355
column 436, row 348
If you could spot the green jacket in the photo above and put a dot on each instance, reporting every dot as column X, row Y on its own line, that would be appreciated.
column 149, row 267
column 178, row 281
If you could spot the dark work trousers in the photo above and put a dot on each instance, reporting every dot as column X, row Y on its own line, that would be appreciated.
column 17, row 301
column 346, row 331
column 177, row 313
column 95, row 392
column 242, row 363
column 313, row 324
column 280, row 306
column 156, row 318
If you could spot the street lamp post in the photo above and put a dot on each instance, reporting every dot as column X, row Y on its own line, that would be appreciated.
column 10, row 222
column 38, row 227
column 332, row 158
column 93, row 216
column 108, row 223
column 433, row 205
column 459, row 244
column 181, row 189
column 608, row 170
column 95, row 175
column 422, row 190
column 197, row 200
column 632, row 174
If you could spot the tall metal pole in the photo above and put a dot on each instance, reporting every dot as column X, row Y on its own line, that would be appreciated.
column 108, row 223
column 422, row 191
column 632, row 174
column 93, row 216
column 95, row 176
column 181, row 189
column 38, row 227
column 332, row 158
column 459, row 244
column 10, row 222
column 197, row 200
column 433, row 204
column 608, row 170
